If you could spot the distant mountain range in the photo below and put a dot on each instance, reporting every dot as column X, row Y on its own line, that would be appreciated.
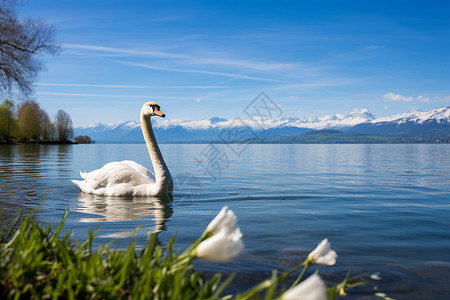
column 416, row 123
column 359, row 125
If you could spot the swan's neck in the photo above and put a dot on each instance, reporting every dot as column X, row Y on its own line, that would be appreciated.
column 163, row 179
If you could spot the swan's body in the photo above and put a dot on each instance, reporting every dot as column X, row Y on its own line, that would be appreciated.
column 128, row 177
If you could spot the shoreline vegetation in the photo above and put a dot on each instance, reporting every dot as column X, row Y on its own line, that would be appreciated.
column 28, row 123
column 38, row 143
column 42, row 263
column 77, row 141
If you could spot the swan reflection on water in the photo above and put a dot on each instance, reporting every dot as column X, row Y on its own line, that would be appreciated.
column 120, row 209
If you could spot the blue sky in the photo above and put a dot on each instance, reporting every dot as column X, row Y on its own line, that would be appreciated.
column 201, row 59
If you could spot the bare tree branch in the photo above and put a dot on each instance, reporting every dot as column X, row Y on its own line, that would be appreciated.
column 21, row 44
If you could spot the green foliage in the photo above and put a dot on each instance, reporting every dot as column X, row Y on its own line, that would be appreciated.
column 63, row 124
column 7, row 119
column 38, row 262
column 29, row 120
column 30, row 123
column 83, row 139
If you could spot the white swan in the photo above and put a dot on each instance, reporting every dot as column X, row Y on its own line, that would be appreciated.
column 128, row 177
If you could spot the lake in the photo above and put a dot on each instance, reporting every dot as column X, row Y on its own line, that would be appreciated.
column 385, row 208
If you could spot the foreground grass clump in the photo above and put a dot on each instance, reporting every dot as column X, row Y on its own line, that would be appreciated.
column 35, row 262
column 41, row 263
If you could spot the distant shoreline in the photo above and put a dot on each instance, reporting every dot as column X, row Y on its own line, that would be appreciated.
column 38, row 143
column 218, row 142
column 262, row 143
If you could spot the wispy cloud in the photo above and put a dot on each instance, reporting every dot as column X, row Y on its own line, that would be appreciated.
column 319, row 83
column 443, row 98
column 129, row 86
column 123, row 51
column 396, row 97
column 112, row 96
column 148, row 66
column 423, row 99
column 208, row 59
column 289, row 74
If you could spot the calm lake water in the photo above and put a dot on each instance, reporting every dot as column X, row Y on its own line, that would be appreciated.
column 385, row 208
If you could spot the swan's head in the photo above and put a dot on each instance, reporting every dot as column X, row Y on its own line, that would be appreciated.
column 152, row 109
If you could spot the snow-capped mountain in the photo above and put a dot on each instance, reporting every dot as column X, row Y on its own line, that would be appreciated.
column 335, row 121
column 210, row 129
column 414, row 123
column 441, row 114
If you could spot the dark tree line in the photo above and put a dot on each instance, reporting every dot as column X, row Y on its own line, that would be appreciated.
column 83, row 139
column 29, row 122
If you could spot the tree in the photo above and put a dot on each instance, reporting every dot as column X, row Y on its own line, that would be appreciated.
column 28, row 120
column 48, row 129
column 83, row 139
column 21, row 44
column 7, row 119
column 32, row 120
column 63, row 124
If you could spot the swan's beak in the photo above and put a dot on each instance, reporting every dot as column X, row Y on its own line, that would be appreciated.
column 157, row 112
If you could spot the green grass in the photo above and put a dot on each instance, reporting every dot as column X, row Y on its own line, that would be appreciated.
column 39, row 262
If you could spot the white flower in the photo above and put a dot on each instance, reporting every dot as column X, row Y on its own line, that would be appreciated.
column 222, row 246
column 224, row 219
column 323, row 255
column 312, row 288
column 224, row 239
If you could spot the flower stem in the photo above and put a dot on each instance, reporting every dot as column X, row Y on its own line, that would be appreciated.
column 263, row 285
column 307, row 262
column 190, row 250
column 287, row 273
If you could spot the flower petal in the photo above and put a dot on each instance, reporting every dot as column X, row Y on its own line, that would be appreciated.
column 329, row 259
column 216, row 223
column 221, row 247
column 323, row 254
column 317, row 252
column 312, row 288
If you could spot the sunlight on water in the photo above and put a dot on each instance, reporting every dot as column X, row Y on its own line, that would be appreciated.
column 385, row 208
